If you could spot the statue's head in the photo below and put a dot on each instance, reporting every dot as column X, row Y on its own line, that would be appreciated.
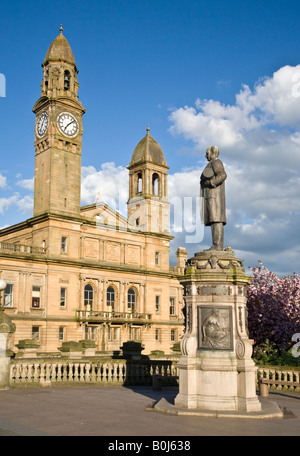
column 212, row 152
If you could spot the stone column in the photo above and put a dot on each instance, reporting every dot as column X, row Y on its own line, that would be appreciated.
column 216, row 371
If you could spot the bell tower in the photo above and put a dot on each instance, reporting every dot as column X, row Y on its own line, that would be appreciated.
column 148, row 204
column 58, row 134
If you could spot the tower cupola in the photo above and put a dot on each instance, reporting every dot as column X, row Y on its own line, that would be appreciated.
column 148, row 205
column 60, row 71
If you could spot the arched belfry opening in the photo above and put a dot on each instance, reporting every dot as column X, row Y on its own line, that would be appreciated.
column 155, row 184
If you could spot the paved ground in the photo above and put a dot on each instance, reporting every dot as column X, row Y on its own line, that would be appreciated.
column 122, row 411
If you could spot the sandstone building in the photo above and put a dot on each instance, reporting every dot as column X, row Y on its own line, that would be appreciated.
column 88, row 272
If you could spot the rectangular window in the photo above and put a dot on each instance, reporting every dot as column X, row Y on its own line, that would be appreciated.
column 157, row 256
column 63, row 297
column 64, row 245
column 61, row 333
column 8, row 296
column 116, row 334
column 157, row 335
column 93, row 333
column 157, row 304
column 36, row 333
column 108, row 333
column 173, row 335
column 136, row 334
column 172, row 306
column 36, row 297
column 90, row 333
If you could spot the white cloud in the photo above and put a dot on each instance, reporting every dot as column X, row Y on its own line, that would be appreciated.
column 3, row 182
column 28, row 184
column 6, row 203
column 25, row 205
column 110, row 183
column 261, row 121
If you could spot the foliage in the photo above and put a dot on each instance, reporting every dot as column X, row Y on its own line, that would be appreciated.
column 273, row 311
column 266, row 354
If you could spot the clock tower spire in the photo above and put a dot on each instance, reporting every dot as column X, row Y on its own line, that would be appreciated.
column 58, row 134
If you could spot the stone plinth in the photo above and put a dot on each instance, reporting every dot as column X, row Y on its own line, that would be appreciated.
column 27, row 348
column 89, row 347
column 7, row 328
column 132, row 350
column 216, row 371
column 71, row 350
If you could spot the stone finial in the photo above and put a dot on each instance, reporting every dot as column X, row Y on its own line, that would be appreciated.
column 61, row 29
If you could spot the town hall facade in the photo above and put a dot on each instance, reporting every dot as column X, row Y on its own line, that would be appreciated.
column 75, row 272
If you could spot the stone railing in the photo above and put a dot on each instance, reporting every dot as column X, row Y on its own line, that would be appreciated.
column 122, row 371
column 19, row 248
column 118, row 372
column 280, row 379
column 98, row 316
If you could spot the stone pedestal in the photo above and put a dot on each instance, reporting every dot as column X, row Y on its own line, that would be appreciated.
column 71, row 350
column 7, row 328
column 89, row 347
column 27, row 348
column 132, row 350
column 216, row 371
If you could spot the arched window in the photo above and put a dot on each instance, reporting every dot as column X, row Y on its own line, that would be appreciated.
column 131, row 300
column 67, row 80
column 155, row 184
column 110, row 298
column 139, row 183
column 88, row 295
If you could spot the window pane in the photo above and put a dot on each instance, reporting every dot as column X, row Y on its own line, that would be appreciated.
column 88, row 295
column 61, row 333
column 8, row 296
column 110, row 297
column 63, row 295
column 157, row 258
column 157, row 303
column 172, row 306
column 64, row 245
column 36, row 333
column 131, row 299
column 36, row 297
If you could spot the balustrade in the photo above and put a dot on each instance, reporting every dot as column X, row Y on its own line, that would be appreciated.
column 280, row 379
column 123, row 372
column 94, row 315
column 112, row 372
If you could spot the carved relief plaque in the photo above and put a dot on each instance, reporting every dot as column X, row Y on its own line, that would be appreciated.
column 215, row 328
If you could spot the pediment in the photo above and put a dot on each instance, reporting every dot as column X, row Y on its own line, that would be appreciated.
column 103, row 215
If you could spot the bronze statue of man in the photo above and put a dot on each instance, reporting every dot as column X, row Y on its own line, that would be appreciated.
column 212, row 189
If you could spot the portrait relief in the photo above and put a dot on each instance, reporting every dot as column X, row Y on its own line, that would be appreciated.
column 215, row 328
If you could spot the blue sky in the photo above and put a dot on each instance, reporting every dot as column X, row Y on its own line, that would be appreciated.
column 199, row 73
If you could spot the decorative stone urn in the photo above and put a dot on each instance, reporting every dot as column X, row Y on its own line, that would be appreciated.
column 216, row 371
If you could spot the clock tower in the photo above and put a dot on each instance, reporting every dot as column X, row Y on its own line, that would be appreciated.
column 58, row 134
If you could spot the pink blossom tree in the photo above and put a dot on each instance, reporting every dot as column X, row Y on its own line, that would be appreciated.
column 273, row 308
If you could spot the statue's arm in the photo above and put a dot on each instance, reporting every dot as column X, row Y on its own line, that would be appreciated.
column 219, row 171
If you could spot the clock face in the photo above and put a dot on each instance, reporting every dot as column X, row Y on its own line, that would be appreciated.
column 42, row 124
column 67, row 124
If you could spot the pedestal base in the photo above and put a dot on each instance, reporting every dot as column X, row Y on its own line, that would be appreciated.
column 214, row 381
column 216, row 371
column 4, row 372
column 268, row 410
